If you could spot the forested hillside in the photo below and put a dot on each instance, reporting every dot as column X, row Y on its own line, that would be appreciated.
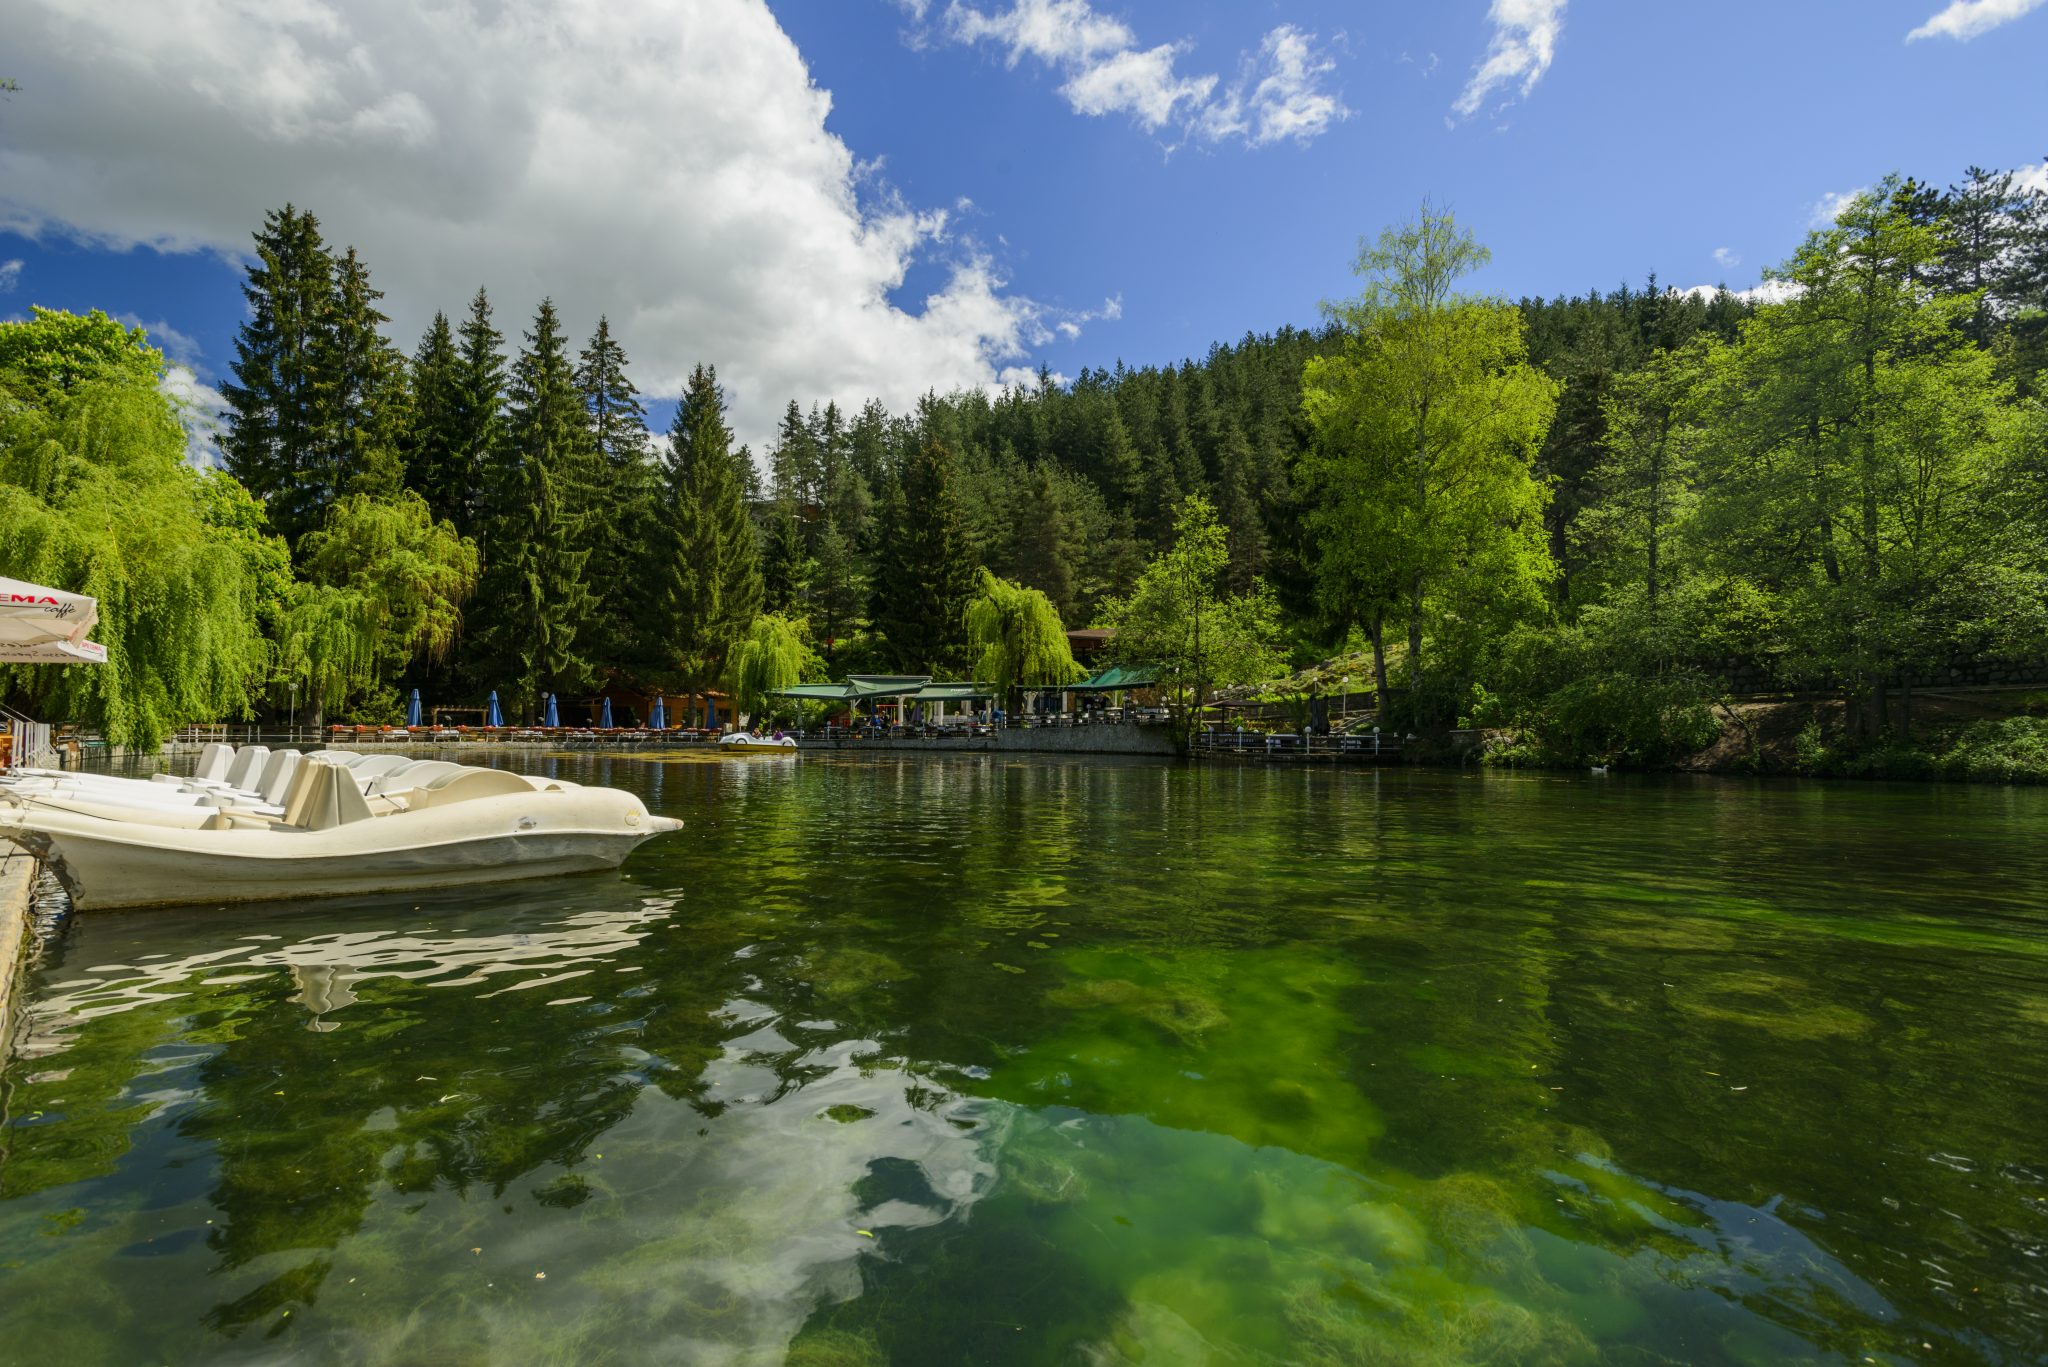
column 1572, row 515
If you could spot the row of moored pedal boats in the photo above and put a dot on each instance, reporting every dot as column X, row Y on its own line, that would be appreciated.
column 255, row 823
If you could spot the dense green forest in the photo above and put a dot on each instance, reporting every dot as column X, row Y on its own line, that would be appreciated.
column 1577, row 517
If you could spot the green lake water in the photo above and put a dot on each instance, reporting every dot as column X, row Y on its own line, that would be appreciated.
column 999, row 1061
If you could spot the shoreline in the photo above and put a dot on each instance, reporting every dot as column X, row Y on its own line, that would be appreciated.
column 17, row 893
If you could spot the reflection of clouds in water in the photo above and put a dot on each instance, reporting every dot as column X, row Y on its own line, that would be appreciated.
column 715, row 1227
column 777, row 1199
column 327, row 968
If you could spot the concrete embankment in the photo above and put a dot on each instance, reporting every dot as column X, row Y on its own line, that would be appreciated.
column 1038, row 740
column 17, row 886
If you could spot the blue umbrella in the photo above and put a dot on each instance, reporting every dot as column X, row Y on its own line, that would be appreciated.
column 710, row 711
column 495, row 718
column 552, row 718
column 659, row 721
column 604, row 716
column 412, row 709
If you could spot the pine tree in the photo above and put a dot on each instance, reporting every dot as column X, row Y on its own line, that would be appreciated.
column 785, row 566
column 537, row 586
column 707, row 577
column 924, row 570
column 628, row 488
column 273, row 422
column 546, row 419
column 476, row 424
column 431, row 466
column 361, row 403
column 793, row 463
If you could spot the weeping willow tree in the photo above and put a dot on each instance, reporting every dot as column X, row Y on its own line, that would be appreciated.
column 1016, row 639
column 96, row 497
column 773, row 654
column 385, row 584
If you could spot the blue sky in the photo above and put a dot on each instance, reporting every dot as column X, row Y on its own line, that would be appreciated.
column 994, row 184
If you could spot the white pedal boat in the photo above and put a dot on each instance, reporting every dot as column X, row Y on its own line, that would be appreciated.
column 324, row 824
column 741, row 740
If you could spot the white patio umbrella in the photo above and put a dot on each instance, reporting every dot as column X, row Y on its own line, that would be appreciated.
column 41, row 625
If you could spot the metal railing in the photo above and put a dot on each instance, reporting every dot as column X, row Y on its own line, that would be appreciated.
column 1295, row 744
column 29, row 741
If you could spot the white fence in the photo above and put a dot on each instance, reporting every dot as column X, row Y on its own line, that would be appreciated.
column 31, row 742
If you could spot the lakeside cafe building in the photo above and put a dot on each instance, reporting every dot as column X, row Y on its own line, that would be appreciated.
column 893, row 699
column 910, row 699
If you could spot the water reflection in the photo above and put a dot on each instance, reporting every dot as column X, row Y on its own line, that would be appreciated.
column 1004, row 1062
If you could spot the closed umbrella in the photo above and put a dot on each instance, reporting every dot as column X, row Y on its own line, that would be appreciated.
column 412, row 709
column 41, row 625
column 659, row 721
column 604, row 714
column 552, row 718
column 494, row 717
column 710, row 712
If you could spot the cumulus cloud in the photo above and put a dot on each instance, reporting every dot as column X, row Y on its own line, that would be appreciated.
column 1965, row 19
column 202, row 409
column 1725, row 256
column 179, row 348
column 201, row 412
column 10, row 275
column 1765, row 292
column 1525, row 34
column 1829, row 206
column 1280, row 94
column 667, row 165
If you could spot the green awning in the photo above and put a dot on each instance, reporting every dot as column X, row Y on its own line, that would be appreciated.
column 825, row 692
column 1115, row 678
column 954, row 692
column 857, row 687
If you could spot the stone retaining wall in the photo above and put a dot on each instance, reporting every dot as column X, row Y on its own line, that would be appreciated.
column 17, row 884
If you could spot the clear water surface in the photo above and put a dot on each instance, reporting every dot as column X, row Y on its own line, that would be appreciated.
column 983, row 1060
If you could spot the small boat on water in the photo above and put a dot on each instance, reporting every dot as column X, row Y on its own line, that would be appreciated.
column 255, row 825
column 746, row 741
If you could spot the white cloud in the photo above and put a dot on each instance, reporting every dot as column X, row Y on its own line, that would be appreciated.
column 1829, row 206
column 200, row 410
column 1766, row 292
column 667, row 165
column 1070, row 326
column 1965, row 19
column 10, row 275
column 1525, row 34
column 2033, row 178
column 1279, row 94
column 179, row 348
column 1725, row 256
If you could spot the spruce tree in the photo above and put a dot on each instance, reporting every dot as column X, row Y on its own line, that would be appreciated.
column 793, row 463
column 537, row 585
column 924, row 570
column 274, row 402
column 476, row 424
column 786, row 567
column 626, row 488
column 360, row 393
column 432, row 467
column 707, row 579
